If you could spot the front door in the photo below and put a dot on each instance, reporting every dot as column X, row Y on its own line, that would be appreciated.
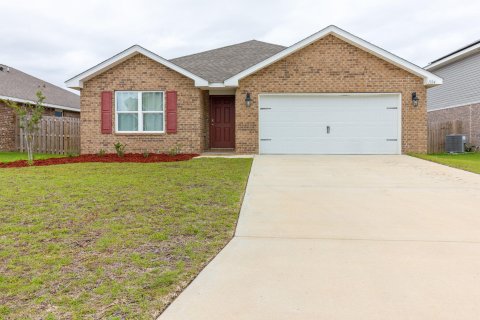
column 222, row 121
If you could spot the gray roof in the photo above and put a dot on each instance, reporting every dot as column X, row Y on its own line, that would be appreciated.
column 17, row 84
column 219, row 64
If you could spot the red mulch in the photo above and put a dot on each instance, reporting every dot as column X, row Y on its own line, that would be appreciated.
column 111, row 157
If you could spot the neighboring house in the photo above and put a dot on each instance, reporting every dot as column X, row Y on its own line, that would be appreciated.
column 20, row 87
column 331, row 93
column 458, row 99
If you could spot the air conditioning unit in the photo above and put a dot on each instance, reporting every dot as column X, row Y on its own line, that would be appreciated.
column 455, row 143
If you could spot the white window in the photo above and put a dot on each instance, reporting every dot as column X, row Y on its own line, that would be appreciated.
column 139, row 111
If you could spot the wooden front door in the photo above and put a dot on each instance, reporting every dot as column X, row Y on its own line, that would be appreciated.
column 222, row 121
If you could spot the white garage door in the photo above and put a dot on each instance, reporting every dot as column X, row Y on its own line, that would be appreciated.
column 329, row 124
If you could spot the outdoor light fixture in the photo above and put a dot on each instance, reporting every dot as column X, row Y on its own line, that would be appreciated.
column 415, row 99
column 248, row 100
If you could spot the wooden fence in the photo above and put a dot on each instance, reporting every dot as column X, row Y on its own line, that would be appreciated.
column 58, row 135
column 437, row 132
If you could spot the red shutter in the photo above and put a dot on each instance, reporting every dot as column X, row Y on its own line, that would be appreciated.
column 171, row 111
column 106, row 112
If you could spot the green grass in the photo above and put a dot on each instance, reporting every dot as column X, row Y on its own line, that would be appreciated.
column 114, row 241
column 466, row 161
column 14, row 156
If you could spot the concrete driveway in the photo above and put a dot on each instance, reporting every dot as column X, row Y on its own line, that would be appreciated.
column 346, row 237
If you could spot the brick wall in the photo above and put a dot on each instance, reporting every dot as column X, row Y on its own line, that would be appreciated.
column 7, row 128
column 8, row 123
column 140, row 73
column 469, row 115
column 332, row 65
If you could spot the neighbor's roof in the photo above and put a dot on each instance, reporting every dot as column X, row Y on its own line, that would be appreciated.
column 21, row 87
column 219, row 64
column 456, row 55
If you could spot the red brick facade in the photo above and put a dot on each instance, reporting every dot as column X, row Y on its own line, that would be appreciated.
column 140, row 73
column 329, row 65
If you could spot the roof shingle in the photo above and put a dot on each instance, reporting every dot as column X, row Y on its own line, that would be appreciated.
column 219, row 64
column 17, row 84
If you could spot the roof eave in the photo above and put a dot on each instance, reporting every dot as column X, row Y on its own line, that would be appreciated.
column 430, row 79
column 454, row 57
column 77, row 81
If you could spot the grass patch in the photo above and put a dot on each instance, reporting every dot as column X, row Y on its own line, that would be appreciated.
column 465, row 161
column 116, row 240
column 14, row 156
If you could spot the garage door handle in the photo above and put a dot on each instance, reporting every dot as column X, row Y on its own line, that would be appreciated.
column 328, row 129
column 391, row 139
column 265, row 139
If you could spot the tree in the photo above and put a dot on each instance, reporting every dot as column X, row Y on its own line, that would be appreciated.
column 29, row 116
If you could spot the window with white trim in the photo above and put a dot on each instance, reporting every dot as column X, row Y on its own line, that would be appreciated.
column 139, row 111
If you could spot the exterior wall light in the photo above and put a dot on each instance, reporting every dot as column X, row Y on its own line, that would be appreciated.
column 248, row 100
column 415, row 99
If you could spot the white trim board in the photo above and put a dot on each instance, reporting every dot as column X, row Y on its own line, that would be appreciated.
column 429, row 79
column 454, row 57
column 77, row 81
column 49, row 105
column 456, row 106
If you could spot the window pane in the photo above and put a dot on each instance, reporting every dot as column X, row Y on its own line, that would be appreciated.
column 127, row 122
column 152, row 101
column 152, row 122
column 127, row 101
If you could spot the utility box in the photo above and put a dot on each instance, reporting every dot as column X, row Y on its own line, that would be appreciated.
column 455, row 143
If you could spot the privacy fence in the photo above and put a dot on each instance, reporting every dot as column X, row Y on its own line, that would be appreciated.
column 437, row 132
column 55, row 135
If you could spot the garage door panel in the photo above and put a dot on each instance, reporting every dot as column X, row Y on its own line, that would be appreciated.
column 357, row 124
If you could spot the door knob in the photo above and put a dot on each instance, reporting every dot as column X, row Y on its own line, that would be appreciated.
column 328, row 129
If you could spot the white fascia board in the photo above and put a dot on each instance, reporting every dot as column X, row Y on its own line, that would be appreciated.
column 77, row 81
column 454, row 57
column 430, row 79
column 49, row 105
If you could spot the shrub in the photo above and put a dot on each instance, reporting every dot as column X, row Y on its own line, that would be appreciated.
column 101, row 152
column 175, row 150
column 120, row 148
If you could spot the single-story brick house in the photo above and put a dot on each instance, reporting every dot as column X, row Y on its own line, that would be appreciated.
column 20, row 87
column 458, row 99
column 331, row 93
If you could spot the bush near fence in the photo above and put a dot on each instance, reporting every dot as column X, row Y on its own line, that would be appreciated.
column 57, row 135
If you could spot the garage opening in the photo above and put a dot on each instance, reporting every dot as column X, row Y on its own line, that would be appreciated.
column 330, row 123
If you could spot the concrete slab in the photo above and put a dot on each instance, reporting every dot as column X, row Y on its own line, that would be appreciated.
column 346, row 237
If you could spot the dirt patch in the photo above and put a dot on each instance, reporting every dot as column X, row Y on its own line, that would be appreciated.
column 111, row 157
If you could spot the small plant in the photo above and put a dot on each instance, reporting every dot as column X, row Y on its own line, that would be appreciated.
column 101, row 152
column 175, row 150
column 120, row 148
column 29, row 116
column 72, row 154
column 145, row 154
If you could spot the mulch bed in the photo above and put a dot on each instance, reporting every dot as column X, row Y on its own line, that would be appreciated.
column 111, row 157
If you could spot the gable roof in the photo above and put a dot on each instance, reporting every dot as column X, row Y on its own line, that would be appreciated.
column 219, row 64
column 77, row 81
column 224, row 67
column 18, row 86
column 456, row 55
column 429, row 78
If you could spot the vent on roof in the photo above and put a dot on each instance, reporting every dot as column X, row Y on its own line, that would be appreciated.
column 4, row 68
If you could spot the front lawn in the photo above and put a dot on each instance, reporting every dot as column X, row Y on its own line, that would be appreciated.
column 14, row 156
column 116, row 240
column 465, row 161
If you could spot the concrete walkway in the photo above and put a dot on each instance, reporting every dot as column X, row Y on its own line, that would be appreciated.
column 346, row 237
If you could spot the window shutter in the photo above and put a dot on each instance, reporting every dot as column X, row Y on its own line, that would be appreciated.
column 106, row 112
column 171, row 112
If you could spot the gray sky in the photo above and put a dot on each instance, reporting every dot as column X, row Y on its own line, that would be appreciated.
column 55, row 40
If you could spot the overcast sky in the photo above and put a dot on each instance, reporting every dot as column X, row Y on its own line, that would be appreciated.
column 56, row 40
